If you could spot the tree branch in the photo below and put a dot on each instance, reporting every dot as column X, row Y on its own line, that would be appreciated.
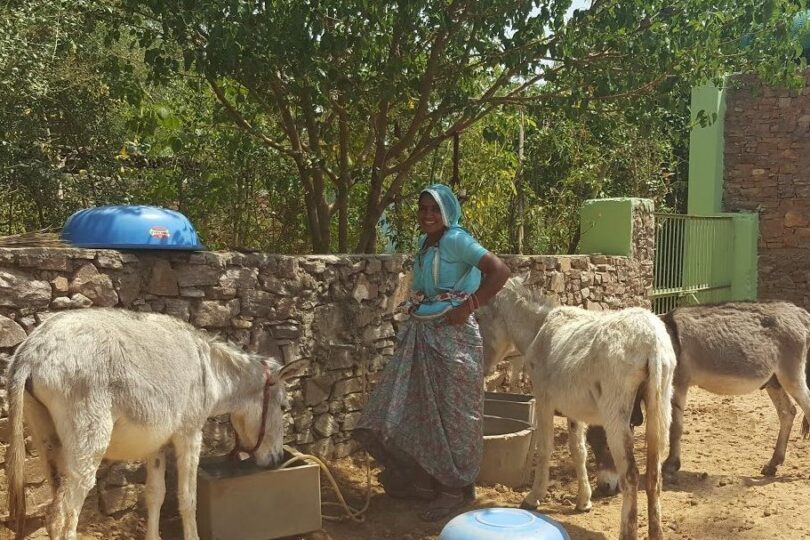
column 242, row 122
column 426, row 85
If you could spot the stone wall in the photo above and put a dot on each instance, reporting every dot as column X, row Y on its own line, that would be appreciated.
column 335, row 311
column 767, row 168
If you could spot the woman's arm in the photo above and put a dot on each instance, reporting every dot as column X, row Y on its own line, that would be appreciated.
column 495, row 275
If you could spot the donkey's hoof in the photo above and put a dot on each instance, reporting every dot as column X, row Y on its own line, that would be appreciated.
column 769, row 470
column 670, row 467
column 584, row 507
column 526, row 506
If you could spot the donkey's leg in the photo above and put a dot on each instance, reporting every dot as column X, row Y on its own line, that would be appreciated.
column 680, row 387
column 155, row 492
column 795, row 384
column 188, row 448
column 49, row 448
column 620, row 441
column 516, row 363
column 85, row 437
column 544, row 422
column 45, row 439
column 576, row 444
column 787, row 412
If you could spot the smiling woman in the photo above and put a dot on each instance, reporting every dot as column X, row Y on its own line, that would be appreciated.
column 430, row 215
column 423, row 422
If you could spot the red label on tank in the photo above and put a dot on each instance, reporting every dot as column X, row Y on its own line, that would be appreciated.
column 159, row 232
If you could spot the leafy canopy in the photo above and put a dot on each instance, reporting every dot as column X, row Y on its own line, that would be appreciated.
column 357, row 92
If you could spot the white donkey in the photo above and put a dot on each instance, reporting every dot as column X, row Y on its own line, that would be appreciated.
column 114, row 384
column 732, row 349
column 589, row 366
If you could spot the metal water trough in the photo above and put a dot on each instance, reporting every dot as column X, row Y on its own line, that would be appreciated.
column 509, row 405
column 508, row 438
column 506, row 447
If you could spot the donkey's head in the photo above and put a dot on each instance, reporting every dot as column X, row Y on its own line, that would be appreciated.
column 259, row 424
column 494, row 324
column 510, row 320
column 495, row 336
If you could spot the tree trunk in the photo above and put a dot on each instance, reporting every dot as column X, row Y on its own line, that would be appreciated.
column 456, row 157
column 343, row 181
column 520, row 194
column 517, row 210
column 342, row 203
column 314, row 204
column 368, row 232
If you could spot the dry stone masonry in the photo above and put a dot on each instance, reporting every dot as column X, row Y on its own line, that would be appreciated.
column 767, row 169
column 335, row 311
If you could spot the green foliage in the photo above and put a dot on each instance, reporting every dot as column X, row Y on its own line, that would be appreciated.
column 487, row 164
column 567, row 160
column 237, row 192
column 360, row 92
column 81, row 127
column 57, row 114
column 570, row 161
column 295, row 125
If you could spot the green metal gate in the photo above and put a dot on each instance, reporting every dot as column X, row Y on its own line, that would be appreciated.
column 693, row 260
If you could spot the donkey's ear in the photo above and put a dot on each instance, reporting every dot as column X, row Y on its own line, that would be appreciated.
column 515, row 282
column 293, row 369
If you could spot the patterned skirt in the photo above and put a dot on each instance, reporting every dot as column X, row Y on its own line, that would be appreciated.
column 427, row 409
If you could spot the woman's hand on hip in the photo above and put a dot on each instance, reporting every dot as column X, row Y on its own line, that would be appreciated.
column 458, row 315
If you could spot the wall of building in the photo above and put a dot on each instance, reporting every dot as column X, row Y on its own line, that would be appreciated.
column 767, row 169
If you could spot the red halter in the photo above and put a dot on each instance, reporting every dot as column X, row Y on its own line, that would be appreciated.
column 237, row 448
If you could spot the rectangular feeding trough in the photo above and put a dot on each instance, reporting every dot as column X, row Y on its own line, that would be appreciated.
column 240, row 501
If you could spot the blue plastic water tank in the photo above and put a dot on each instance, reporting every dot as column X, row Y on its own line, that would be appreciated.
column 799, row 30
column 502, row 524
column 131, row 227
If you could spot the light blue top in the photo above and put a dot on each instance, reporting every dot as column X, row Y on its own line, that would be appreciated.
column 456, row 267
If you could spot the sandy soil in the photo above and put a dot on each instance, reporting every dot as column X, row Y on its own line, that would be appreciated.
column 718, row 494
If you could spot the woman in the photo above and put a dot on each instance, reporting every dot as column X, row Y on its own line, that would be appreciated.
column 423, row 422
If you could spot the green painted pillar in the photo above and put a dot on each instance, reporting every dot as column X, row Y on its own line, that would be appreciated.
column 617, row 226
column 606, row 227
column 706, row 151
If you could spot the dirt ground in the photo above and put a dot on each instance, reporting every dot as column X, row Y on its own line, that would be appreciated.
column 718, row 494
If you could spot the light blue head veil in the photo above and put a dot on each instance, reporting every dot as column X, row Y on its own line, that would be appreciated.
column 448, row 204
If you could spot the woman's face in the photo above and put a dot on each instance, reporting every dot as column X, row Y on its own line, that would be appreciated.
column 429, row 215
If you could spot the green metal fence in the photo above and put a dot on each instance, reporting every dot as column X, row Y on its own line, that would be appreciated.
column 693, row 260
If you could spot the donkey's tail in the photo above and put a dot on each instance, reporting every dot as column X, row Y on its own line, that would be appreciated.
column 658, row 396
column 19, row 372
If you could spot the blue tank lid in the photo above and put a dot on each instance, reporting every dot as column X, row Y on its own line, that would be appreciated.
column 502, row 524
column 131, row 227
